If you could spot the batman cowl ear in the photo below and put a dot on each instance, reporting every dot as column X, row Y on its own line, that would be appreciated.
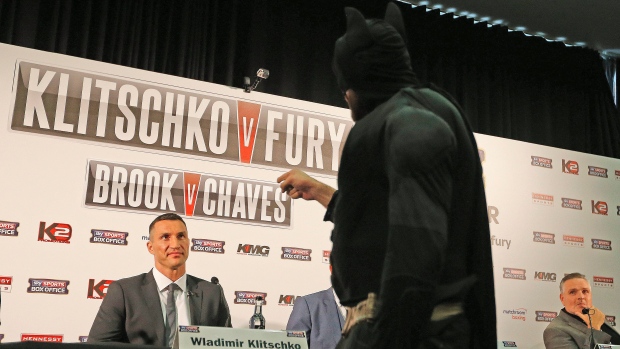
column 394, row 17
column 358, row 35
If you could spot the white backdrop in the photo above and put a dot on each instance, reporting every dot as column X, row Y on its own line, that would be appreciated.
column 73, row 134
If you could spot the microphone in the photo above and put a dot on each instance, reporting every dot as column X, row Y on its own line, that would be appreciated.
column 215, row 280
column 261, row 74
column 586, row 311
column 190, row 293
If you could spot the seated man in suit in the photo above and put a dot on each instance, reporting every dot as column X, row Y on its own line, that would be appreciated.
column 321, row 316
column 147, row 308
column 571, row 328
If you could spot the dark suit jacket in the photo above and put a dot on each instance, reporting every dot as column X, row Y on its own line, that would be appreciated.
column 318, row 315
column 131, row 310
column 567, row 332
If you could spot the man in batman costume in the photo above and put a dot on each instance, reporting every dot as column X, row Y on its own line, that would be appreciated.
column 411, row 255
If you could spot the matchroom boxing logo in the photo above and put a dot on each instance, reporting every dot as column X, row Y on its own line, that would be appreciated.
column 249, row 297
column 516, row 314
column 603, row 281
column 514, row 273
column 8, row 228
column 599, row 244
column 297, row 254
column 109, row 237
column 98, row 290
column 509, row 344
column 48, row 286
column 209, row 246
column 139, row 188
column 570, row 167
column 6, row 284
column 115, row 110
column 29, row 337
column 545, row 316
column 55, row 232
column 541, row 162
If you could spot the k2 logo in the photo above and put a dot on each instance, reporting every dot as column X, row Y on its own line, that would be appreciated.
column 56, row 232
column 98, row 290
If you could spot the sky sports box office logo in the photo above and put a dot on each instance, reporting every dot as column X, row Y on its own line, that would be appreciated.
column 514, row 273
column 48, row 286
column 8, row 228
column 249, row 297
column 599, row 244
column 571, row 203
column 140, row 188
column 115, row 110
column 542, row 162
column 108, row 237
column 545, row 316
column 6, row 284
column 208, row 246
column 546, row 238
column 296, row 254
column 597, row 171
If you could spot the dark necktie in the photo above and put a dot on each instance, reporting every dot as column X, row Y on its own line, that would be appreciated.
column 171, row 315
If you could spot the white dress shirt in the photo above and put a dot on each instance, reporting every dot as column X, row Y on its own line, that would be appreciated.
column 341, row 307
column 180, row 297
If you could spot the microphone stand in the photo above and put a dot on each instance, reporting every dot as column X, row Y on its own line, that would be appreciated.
column 592, row 341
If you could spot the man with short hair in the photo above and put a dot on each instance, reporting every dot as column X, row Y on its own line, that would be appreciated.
column 411, row 255
column 148, row 308
column 571, row 328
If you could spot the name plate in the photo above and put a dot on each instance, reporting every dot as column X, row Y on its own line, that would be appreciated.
column 224, row 337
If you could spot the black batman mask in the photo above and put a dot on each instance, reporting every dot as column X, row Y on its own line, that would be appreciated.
column 371, row 58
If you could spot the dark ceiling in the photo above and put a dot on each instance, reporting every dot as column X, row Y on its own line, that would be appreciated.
column 595, row 23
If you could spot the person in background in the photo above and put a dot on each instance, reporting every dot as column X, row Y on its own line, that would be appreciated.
column 571, row 328
column 411, row 255
column 148, row 308
column 321, row 316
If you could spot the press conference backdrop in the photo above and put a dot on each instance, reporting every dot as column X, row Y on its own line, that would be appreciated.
column 92, row 152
